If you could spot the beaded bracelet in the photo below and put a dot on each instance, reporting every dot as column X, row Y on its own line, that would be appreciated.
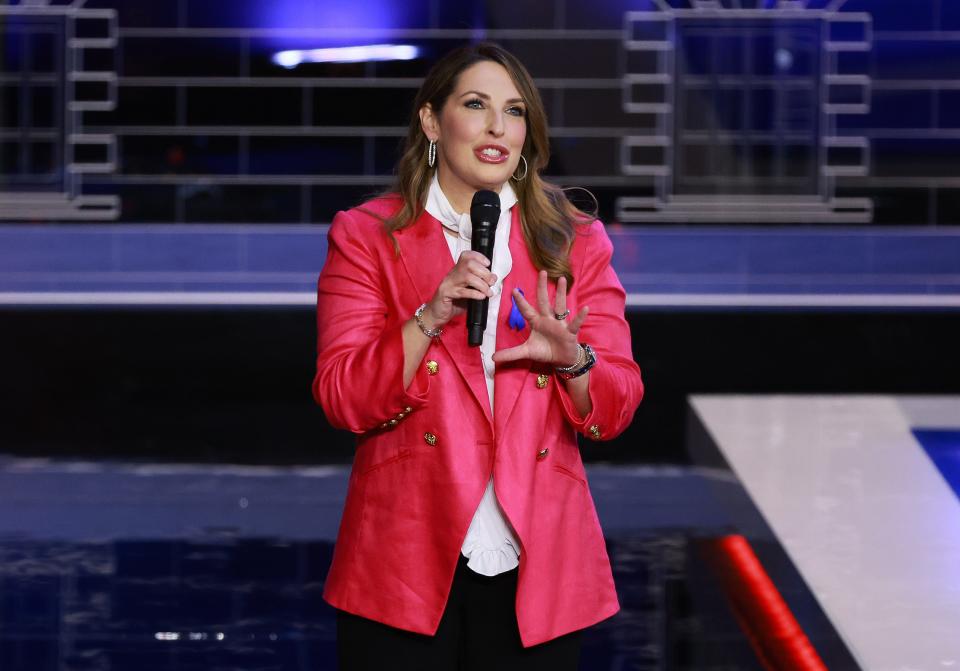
column 430, row 333
column 576, row 364
column 585, row 361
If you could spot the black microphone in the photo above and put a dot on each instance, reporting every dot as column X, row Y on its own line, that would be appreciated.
column 484, row 215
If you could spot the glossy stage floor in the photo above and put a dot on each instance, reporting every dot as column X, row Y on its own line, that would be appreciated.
column 849, row 504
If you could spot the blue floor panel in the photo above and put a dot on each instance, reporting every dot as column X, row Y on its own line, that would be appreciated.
column 943, row 448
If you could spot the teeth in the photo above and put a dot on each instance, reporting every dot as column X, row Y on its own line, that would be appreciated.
column 493, row 153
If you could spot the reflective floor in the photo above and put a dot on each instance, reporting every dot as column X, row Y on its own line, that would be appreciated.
column 144, row 567
column 255, row 604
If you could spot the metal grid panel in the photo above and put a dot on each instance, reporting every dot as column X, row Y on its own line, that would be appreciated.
column 187, row 124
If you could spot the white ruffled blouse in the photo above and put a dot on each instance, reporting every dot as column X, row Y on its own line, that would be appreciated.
column 491, row 545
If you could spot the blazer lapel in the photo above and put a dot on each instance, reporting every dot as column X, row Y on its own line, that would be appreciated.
column 510, row 377
column 426, row 258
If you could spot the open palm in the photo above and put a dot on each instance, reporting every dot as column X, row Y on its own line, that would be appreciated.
column 552, row 339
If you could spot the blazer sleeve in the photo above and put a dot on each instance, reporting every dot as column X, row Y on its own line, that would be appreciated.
column 615, row 386
column 359, row 377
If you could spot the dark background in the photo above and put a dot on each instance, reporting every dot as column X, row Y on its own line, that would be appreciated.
column 230, row 385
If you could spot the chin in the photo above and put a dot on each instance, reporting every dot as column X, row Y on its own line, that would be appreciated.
column 492, row 180
column 489, row 187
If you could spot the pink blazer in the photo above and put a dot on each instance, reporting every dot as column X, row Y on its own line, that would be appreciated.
column 424, row 454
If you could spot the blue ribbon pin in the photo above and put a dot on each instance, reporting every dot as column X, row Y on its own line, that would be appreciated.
column 516, row 320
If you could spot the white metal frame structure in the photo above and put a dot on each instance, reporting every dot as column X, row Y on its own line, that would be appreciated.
column 84, row 39
column 654, row 83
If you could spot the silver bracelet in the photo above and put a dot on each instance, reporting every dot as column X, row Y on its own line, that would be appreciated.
column 575, row 365
column 430, row 333
column 589, row 360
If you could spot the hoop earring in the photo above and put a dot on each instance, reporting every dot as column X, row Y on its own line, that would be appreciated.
column 521, row 177
column 432, row 153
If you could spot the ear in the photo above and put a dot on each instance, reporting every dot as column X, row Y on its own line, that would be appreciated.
column 429, row 123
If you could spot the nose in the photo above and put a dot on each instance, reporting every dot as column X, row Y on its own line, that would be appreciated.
column 495, row 125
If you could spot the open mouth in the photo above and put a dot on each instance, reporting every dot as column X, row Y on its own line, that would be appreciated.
column 492, row 153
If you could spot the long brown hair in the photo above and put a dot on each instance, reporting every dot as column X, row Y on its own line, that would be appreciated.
column 548, row 220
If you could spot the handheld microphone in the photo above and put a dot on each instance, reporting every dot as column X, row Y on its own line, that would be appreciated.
column 484, row 215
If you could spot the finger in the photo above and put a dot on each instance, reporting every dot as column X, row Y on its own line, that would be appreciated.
column 560, row 305
column 478, row 283
column 469, row 255
column 543, row 300
column 455, row 282
column 511, row 354
column 525, row 308
column 578, row 320
column 468, row 292
column 480, row 271
column 463, row 277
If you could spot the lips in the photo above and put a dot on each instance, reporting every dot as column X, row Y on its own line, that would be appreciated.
column 492, row 153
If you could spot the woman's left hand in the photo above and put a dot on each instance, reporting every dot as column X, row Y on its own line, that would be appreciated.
column 552, row 340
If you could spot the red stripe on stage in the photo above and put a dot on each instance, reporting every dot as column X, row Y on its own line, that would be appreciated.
column 777, row 639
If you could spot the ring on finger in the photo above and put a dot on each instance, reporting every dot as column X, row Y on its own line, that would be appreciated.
column 562, row 315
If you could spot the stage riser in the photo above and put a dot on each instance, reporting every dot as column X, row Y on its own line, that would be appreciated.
column 233, row 385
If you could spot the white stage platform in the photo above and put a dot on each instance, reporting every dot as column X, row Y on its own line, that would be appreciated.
column 860, row 508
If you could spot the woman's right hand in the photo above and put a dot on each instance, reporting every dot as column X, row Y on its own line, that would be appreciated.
column 470, row 278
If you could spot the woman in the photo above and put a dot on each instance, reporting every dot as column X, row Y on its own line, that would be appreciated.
column 469, row 538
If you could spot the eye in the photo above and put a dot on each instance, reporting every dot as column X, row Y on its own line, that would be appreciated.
column 517, row 111
column 474, row 103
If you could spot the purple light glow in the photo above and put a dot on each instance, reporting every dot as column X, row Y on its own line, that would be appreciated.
column 336, row 23
column 291, row 58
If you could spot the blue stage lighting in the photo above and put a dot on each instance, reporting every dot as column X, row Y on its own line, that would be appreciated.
column 291, row 58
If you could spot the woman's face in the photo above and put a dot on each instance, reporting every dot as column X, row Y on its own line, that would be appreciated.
column 479, row 133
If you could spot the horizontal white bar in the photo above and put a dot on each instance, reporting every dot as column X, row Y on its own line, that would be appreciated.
column 34, row 10
column 379, row 33
column 93, row 76
column 92, row 43
column 796, row 300
column 344, row 82
column 309, row 298
column 108, row 167
column 157, row 298
column 91, row 106
column 772, row 14
column 647, row 108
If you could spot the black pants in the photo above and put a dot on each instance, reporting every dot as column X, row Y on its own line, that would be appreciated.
column 478, row 631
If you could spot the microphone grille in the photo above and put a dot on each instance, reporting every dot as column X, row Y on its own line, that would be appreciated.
column 485, row 204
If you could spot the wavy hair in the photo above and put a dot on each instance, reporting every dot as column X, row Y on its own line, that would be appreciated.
column 547, row 218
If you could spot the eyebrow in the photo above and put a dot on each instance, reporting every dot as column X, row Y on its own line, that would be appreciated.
column 481, row 94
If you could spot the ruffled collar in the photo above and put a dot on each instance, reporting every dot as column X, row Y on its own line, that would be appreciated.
column 440, row 209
